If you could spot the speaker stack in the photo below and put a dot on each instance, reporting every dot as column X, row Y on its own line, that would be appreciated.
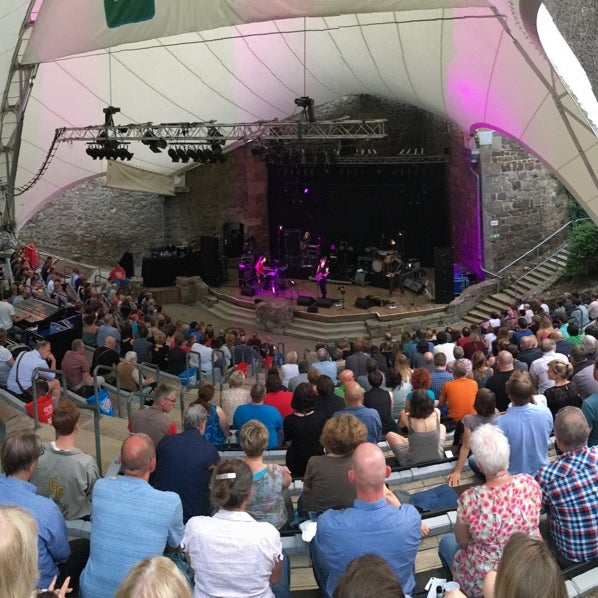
column 443, row 274
column 209, row 261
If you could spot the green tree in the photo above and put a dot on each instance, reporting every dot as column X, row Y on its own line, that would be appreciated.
column 583, row 250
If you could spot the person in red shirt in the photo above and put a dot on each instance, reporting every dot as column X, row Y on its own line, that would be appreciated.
column 118, row 275
column 276, row 396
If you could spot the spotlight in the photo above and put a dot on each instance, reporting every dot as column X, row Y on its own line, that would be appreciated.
column 93, row 151
column 156, row 144
column 209, row 155
column 182, row 154
column 172, row 153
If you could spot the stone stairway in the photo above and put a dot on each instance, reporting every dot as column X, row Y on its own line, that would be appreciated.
column 535, row 281
column 323, row 329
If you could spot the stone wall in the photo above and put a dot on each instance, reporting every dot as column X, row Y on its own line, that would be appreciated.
column 522, row 202
column 235, row 191
column 94, row 224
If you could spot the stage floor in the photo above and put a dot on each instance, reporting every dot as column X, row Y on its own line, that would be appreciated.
column 398, row 305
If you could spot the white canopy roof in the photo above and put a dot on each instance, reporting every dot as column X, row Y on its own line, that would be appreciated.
column 478, row 63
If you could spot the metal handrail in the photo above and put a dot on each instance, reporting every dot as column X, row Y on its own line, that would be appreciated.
column 498, row 275
column 34, row 374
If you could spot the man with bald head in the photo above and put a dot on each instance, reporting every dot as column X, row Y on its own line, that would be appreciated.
column 497, row 383
column 372, row 526
column 131, row 520
column 370, row 417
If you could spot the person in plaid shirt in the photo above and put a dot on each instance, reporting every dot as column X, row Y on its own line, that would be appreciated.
column 569, row 491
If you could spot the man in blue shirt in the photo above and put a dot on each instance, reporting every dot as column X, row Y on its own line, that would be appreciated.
column 527, row 426
column 131, row 520
column 376, row 524
column 369, row 417
column 325, row 366
column 20, row 455
column 269, row 416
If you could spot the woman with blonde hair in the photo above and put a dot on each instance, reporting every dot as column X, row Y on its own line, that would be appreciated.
column 270, row 500
column 290, row 369
column 402, row 366
column 234, row 395
column 19, row 557
column 326, row 484
column 527, row 568
column 156, row 577
column 563, row 392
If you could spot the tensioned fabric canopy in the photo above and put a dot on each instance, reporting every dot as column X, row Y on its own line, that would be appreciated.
column 479, row 63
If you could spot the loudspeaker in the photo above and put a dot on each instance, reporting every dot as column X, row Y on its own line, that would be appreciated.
column 247, row 291
column 233, row 238
column 305, row 300
column 324, row 302
column 312, row 309
column 443, row 274
column 210, row 269
column 362, row 303
column 414, row 285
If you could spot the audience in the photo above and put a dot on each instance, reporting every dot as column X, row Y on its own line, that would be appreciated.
column 380, row 399
column 276, row 396
column 230, row 552
column 267, row 501
column 510, row 503
column 131, row 520
column 302, row 429
column 368, row 576
column 426, row 435
column 485, row 406
column 372, row 525
column 371, row 419
column 56, row 557
column 326, row 401
column 326, row 484
column 563, row 392
column 269, row 416
column 217, row 427
column 526, row 569
column 155, row 577
column 184, row 463
column 65, row 473
column 569, row 491
column 526, row 425
column 154, row 420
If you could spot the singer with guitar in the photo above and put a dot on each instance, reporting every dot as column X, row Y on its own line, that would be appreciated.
column 322, row 273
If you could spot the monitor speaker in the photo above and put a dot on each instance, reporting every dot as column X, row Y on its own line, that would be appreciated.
column 247, row 291
column 362, row 303
column 312, row 309
column 321, row 302
column 305, row 300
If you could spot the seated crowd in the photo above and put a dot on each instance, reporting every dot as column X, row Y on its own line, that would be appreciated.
column 502, row 389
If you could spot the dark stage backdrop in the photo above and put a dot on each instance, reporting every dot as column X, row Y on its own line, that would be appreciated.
column 363, row 205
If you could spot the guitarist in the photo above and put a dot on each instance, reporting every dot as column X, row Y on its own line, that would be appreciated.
column 396, row 267
column 322, row 273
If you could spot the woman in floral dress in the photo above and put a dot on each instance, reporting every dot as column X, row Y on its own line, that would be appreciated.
column 489, row 514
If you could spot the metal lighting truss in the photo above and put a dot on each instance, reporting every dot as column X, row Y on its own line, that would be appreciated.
column 212, row 132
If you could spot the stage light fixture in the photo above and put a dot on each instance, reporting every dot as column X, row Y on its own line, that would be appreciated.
column 172, row 153
column 182, row 154
column 209, row 155
column 156, row 144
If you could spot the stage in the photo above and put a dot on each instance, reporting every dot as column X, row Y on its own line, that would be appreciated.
column 358, row 302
